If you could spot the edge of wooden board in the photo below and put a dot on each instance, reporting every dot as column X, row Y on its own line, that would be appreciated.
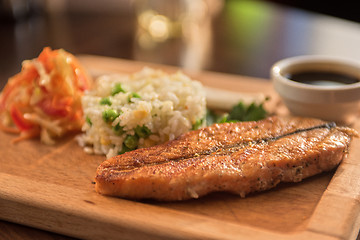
column 51, row 207
column 343, row 197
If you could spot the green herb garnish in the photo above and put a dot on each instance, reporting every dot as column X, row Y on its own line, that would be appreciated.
column 117, row 89
column 109, row 115
column 239, row 113
column 242, row 112
column 131, row 141
column 118, row 130
column 88, row 120
column 105, row 101
column 142, row 131
column 197, row 124
column 133, row 95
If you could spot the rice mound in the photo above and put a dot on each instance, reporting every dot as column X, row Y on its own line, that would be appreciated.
column 140, row 110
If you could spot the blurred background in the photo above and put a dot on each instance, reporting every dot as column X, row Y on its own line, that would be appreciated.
column 233, row 36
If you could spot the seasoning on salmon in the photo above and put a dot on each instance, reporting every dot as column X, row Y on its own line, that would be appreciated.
column 239, row 158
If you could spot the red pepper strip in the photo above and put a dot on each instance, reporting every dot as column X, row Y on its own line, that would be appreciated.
column 18, row 118
column 56, row 106
column 31, row 133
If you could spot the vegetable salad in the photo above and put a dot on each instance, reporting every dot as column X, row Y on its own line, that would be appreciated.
column 44, row 99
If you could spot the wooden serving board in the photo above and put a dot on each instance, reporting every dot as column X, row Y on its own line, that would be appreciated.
column 50, row 187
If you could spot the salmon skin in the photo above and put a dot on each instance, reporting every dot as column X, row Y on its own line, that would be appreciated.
column 239, row 158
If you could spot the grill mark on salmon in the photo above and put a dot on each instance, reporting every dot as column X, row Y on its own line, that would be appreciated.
column 226, row 149
column 234, row 157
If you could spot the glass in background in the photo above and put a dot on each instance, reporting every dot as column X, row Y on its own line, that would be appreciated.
column 175, row 32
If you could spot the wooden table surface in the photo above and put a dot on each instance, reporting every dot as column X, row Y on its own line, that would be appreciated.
column 246, row 38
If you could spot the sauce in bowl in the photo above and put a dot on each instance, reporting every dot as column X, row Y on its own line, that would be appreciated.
column 320, row 78
column 317, row 86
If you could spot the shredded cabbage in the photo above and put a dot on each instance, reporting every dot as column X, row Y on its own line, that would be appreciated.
column 44, row 99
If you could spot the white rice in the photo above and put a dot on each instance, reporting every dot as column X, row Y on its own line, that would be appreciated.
column 166, row 105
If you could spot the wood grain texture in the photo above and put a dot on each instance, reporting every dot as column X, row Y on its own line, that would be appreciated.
column 14, row 231
column 50, row 187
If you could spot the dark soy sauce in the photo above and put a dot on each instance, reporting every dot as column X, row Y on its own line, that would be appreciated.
column 323, row 78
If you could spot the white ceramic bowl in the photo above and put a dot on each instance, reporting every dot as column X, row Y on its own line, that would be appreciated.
column 334, row 103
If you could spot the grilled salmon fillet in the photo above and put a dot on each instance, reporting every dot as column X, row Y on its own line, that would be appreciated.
column 239, row 158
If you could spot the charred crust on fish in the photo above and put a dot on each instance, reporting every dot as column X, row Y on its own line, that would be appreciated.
column 234, row 157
